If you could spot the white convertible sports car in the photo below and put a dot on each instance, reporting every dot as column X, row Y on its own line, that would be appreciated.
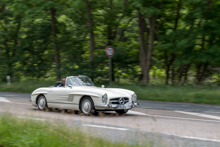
column 79, row 93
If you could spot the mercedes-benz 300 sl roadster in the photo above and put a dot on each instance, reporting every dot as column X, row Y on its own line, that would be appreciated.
column 80, row 93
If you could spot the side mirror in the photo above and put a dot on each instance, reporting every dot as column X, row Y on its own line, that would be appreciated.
column 103, row 86
column 70, row 86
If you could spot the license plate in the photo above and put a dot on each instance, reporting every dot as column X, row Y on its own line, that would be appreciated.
column 120, row 106
column 126, row 106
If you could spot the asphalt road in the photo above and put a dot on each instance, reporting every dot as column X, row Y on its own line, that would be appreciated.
column 157, row 123
column 144, row 104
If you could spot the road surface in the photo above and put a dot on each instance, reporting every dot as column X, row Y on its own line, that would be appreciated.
column 157, row 123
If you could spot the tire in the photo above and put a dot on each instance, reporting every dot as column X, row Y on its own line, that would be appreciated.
column 121, row 111
column 87, row 106
column 42, row 102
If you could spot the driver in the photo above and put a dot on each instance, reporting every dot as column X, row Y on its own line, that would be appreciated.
column 63, row 80
column 62, row 83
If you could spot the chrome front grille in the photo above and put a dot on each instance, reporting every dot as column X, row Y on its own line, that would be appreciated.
column 119, row 101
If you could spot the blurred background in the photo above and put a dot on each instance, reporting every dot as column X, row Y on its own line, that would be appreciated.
column 160, row 42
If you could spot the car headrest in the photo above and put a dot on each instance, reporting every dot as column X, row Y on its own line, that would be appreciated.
column 58, row 83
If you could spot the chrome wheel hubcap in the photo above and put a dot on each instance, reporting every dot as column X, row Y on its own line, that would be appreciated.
column 86, row 106
column 41, row 103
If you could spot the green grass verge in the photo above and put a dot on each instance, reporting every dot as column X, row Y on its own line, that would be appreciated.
column 25, row 86
column 16, row 132
column 191, row 94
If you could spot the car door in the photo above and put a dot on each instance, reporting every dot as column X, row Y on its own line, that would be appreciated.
column 57, row 95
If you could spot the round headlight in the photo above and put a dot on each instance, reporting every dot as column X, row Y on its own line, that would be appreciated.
column 104, row 98
column 134, row 97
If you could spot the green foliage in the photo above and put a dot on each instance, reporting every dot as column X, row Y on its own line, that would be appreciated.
column 186, row 38
column 26, row 86
column 17, row 133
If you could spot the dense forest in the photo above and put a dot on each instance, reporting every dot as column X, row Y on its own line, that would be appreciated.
column 175, row 41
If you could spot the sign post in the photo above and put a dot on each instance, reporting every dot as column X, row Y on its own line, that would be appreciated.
column 110, row 52
column 8, row 80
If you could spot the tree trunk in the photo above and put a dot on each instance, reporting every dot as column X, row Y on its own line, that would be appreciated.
column 91, row 33
column 177, row 15
column 143, row 49
column 173, row 69
column 181, row 69
column 175, row 28
column 152, row 21
column 167, row 68
column 7, row 48
column 186, row 72
column 57, row 54
column 167, row 74
column 173, row 75
column 169, row 63
column 16, row 36
column 198, row 74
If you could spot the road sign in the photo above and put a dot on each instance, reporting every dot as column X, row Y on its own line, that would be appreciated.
column 109, row 51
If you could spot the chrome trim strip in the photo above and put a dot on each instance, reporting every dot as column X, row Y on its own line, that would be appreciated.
column 113, row 106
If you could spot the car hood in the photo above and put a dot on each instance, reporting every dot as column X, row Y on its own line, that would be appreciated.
column 111, row 92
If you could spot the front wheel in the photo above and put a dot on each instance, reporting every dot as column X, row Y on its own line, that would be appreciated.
column 41, row 103
column 121, row 111
column 87, row 106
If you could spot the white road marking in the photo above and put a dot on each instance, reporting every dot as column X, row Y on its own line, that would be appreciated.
column 2, row 99
column 197, row 138
column 31, row 118
column 210, row 112
column 106, row 127
column 181, row 118
column 135, row 112
column 200, row 114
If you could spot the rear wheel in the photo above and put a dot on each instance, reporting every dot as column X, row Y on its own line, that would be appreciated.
column 87, row 106
column 41, row 103
column 121, row 111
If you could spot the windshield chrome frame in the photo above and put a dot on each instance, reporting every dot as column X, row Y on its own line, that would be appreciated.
column 80, row 76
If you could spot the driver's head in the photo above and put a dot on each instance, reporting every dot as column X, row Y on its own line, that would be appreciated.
column 63, row 80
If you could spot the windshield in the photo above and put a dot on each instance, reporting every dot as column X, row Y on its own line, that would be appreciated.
column 79, row 81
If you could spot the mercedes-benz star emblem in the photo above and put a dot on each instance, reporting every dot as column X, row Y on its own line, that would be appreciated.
column 122, row 101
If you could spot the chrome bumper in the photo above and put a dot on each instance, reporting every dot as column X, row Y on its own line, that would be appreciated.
column 116, row 107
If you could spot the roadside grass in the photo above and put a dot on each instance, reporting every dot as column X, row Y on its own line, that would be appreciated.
column 188, row 94
column 16, row 132
column 27, row 86
column 206, row 94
